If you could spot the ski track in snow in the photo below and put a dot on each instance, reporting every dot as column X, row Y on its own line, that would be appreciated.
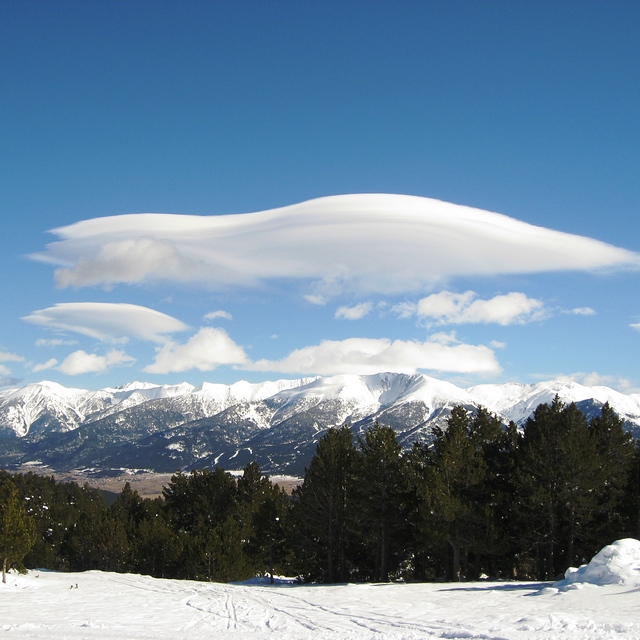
column 107, row 606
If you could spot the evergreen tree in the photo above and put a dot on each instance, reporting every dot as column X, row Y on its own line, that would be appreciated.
column 203, row 510
column 557, row 479
column 630, row 503
column 157, row 548
column 266, row 544
column 322, row 507
column 615, row 453
column 454, row 484
column 381, row 502
column 490, row 446
column 94, row 540
column 264, row 509
column 17, row 529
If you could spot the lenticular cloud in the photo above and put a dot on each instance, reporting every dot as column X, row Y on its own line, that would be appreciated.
column 375, row 243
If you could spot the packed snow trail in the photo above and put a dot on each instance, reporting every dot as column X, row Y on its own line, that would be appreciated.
column 107, row 606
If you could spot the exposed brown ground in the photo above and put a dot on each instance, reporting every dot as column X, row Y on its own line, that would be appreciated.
column 147, row 484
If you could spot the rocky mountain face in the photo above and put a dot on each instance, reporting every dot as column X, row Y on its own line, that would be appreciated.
column 166, row 428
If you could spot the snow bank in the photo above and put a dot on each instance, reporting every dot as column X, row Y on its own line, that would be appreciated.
column 617, row 563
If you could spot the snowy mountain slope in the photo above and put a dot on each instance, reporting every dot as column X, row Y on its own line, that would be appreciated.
column 518, row 401
column 166, row 427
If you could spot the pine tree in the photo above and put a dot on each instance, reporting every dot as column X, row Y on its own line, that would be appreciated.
column 203, row 510
column 266, row 544
column 264, row 509
column 17, row 530
column 157, row 547
column 322, row 508
column 557, row 480
column 615, row 452
column 631, row 496
column 454, row 484
column 381, row 501
column 486, row 532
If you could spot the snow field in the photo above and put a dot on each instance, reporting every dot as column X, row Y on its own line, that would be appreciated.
column 107, row 606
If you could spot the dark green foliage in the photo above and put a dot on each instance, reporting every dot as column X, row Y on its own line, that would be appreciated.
column 17, row 529
column 458, row 490
column 322, row 509
column 381, row 490
column 204, row 506
column 267, row 531
column 615, row 456
column 558, row 481
column 481, row 498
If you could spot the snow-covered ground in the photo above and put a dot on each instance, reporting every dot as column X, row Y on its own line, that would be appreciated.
column 600, row 601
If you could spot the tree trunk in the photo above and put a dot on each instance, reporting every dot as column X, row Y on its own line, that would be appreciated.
column 4, row 570
column 455, row 564
column 384, row 555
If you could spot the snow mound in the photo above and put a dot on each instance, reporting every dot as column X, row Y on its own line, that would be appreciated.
column 617, row 563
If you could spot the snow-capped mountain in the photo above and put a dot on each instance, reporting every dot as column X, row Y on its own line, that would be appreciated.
column 167, row 427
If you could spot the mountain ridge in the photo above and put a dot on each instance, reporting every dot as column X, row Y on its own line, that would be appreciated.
column 277, row 423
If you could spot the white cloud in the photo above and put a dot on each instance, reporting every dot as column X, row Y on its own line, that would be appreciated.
column 54, row 342
column 465, row 308
column 80, row 362
column 405, row 309
column 5, row 356
column 496, row 344
column 206, row 350
column 107, row 322
column 635, row 326
column 367, row 356
column 356, row 312
column 444, row 337
column 583, row 311
column 594, row 379
column 214, row 315
column 49, row 364
column 373, row 243
column 318, row 300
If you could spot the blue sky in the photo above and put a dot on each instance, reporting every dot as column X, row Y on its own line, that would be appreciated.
column 211, row 109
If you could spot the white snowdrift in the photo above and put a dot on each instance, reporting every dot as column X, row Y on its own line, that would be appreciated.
column 617, row 563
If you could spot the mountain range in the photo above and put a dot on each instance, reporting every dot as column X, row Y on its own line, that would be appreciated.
column 278, row 424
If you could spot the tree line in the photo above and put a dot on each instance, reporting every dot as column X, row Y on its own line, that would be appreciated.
column 478, row 499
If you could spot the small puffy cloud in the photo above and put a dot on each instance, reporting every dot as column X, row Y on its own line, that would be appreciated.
column 49, row 364
column 6, row 356
column 635, row 326
column 368, row 356
column 466, row 308
column 205, row 351
column 583, row 311
column 356, row 312
column 496, row 344
column 80, row 362
column 594, row 379
column 405, row 310
column 316, row 299
column 107, row 322
column 214, row 315
column 444, row 337
column 54, row 342
column 365, row 243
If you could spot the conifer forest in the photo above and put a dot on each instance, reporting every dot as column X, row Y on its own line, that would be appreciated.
column 480, row 499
